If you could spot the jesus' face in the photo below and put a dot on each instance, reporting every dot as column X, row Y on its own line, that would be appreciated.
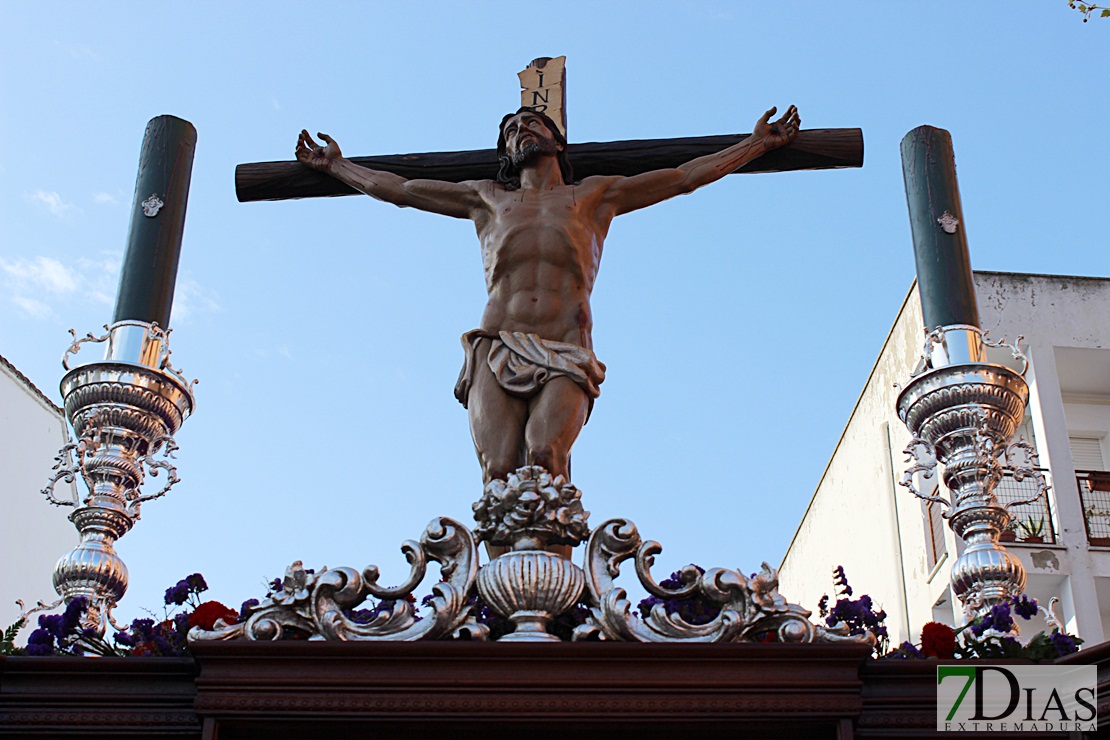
column 527, row 138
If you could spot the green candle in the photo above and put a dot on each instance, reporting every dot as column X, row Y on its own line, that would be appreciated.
column 944, row 278
column 157, row 222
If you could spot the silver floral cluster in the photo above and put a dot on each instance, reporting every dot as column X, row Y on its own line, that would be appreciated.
column 531, row 509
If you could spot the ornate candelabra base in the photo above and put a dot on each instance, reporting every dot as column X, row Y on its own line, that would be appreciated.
column 964, row 416
column 124, row 410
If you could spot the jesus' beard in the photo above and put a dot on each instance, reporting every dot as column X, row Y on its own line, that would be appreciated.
column 532, row 150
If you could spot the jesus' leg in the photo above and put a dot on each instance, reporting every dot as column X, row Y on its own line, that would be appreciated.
column 555, row 417
column 496, row 422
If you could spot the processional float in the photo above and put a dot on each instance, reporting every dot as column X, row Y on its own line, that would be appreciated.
column 125, row 409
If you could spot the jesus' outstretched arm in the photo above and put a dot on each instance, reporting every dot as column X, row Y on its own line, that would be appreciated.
column 458, row 200
column 640, row 191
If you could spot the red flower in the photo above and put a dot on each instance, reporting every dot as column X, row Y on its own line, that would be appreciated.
column 938, row 640
column 206, row 614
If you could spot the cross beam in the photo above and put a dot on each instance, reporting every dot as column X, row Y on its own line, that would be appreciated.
column 815, row 149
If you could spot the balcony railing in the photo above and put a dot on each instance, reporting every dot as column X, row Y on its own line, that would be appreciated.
column 1094, row 492
column 1032, row 522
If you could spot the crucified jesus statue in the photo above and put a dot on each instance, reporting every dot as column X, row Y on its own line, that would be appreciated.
column 530, row 375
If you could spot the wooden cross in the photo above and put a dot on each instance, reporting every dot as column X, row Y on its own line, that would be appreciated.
column 813, row 149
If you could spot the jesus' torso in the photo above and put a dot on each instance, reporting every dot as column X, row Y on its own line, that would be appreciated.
column 541, row 250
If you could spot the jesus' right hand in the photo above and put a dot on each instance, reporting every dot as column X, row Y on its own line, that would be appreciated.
column 313, row 155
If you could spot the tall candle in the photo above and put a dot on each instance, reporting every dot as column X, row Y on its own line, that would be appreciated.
column 944, row 278
column 157, row 222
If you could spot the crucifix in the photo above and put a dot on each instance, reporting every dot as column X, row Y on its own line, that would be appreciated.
column 530, row 376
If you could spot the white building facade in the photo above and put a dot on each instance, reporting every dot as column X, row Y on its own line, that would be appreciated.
column 33, row 533
column 898, row 549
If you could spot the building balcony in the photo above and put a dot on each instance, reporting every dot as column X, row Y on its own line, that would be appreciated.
column 1094, row 492
column 1032, row 523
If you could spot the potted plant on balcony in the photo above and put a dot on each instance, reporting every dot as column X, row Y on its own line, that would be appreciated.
column 1008, row 534
column 1098, row 522
column 1032, row 530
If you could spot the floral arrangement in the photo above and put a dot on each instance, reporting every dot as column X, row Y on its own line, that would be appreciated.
column 989, row 636
column 66, row 634
column 857, row 615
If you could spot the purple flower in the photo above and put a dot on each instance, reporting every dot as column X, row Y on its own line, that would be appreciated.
column 245, row 609
column 180, row 634
column 907, row 650
column 1064, row 643
column 1025, row 607
column 41, row 641
column 363, row 616
column 186, row 587
column 998, row 619
column 162, row 645
column 178, row 594
column 71, row 618
column 142, row 629
column 196, row 583
column 52, row 623
column 124, row 638
column 858, row 615
column 691, row 610
column 674, row 581
column 1001, row 617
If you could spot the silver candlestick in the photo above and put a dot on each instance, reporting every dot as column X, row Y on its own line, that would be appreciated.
column 962, row 412
column 124, row 410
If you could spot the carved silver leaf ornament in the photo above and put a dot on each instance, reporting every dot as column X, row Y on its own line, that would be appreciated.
column 749, row 608
column 318, row 604
column 531, row 509
column 529, row 585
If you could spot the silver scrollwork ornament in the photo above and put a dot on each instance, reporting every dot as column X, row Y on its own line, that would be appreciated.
column 531, row 513
column 749, row 608
column 318, row 604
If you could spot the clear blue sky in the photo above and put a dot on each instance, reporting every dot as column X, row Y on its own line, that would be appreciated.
column 738, row 323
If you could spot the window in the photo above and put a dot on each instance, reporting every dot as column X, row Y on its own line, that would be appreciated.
column 934, row 532
column 1086, row 453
